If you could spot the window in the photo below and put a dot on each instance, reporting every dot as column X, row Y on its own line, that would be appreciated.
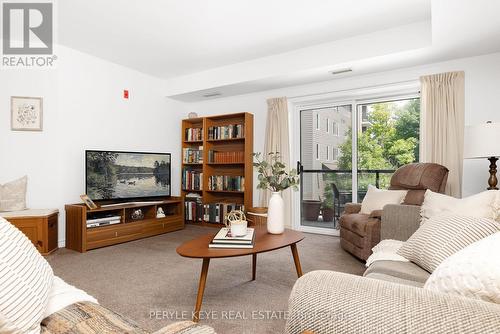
column 327, row 125
column 335, row 153
column 317, row 151
column 335, row 128
column 317, row 121
column 328, row 153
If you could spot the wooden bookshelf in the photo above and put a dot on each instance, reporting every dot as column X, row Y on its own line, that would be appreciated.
column 239, row 168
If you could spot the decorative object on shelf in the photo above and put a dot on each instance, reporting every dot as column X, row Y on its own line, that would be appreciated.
column 192, row 115
column 237, row 223
column 26, row 113
column 481, row 141
column 274, row 177
column 137, row 214
column 88, row 202
column 160, row 213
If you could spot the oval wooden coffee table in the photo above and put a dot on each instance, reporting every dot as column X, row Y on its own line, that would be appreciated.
column 264, row 242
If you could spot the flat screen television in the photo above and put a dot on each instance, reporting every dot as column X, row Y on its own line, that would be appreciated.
column 113, row 175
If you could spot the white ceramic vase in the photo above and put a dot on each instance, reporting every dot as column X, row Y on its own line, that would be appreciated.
column 276, row 214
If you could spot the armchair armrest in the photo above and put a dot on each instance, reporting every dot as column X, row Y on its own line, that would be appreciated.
column 399, row 221
column 331, row 302
column 376, row 214
column 351, row 208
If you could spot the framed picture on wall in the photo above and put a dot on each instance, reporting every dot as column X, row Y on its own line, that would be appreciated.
column 26, row 113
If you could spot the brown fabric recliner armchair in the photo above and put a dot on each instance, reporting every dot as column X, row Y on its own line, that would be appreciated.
column 359, row 233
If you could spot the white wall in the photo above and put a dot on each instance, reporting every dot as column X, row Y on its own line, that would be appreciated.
column 83, row 109
column 482, row 91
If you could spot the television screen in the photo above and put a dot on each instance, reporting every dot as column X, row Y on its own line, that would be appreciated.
column 126, row 175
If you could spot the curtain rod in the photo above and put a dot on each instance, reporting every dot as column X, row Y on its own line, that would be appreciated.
column 355, row 89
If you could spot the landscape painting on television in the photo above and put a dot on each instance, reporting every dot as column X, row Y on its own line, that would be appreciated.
column 114, row 175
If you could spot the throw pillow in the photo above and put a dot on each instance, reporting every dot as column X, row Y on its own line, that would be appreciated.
column 13, row 195
column 473, row 272
column 443, row 236
column 376, row 199
column 25, row 280
column 484, row 204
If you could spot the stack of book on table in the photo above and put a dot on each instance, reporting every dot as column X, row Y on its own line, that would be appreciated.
column 224, row 239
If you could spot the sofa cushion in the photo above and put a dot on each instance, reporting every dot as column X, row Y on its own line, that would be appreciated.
column 25, row 280
column 376, row 199
column 485, row 204
column 473, row 272
column 403, row 270
column 356, row 223
column 13, row 195
column 62, row 294
column 420, row 176
column 414, row 197
column 443, row 236
column 394, row 279
column 90, row 318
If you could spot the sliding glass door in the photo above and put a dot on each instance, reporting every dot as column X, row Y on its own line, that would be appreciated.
column 344, row 147
column 326, row 176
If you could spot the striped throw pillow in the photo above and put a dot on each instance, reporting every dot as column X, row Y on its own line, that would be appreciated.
column 25, row 280
column 444, row 235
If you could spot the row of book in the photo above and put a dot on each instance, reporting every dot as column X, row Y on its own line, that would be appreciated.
column 226, row 132
column 226, row 183
column 192, row 155
column 193, row 210
column 192, row 179
column 226, row 157
column 211, row 213
column 193, row 134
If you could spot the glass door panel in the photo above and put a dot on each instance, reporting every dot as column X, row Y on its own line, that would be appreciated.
column 388, row 137
column 326, row 164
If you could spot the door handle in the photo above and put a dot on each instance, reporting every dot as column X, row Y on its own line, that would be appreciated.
column 299, row 167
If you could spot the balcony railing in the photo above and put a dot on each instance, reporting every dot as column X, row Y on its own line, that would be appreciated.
column 377, row 172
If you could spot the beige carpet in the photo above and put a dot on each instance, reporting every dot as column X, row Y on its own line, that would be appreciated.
column 145, row 277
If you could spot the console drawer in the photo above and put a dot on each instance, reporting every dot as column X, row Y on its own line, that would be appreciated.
column 103, row 234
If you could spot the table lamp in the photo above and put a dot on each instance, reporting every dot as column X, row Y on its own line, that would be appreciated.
column 483, row 141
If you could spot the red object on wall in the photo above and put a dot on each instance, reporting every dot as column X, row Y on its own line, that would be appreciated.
column 125, row 93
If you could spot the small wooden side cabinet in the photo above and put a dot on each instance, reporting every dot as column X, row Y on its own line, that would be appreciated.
column 40, row 226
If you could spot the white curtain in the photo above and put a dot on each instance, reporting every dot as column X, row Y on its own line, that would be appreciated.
column 442, row 126
column 278, row 140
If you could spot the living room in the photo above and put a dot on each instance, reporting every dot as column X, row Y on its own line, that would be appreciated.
column 130, row 79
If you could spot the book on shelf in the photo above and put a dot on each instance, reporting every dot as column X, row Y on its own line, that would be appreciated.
column 226, row 183
column 226, row 132
column 193, row 134
column 193, row 209
column 215, row 212
column 225, row 157
column 223, row 239
column 192, row 155
column 192, row 179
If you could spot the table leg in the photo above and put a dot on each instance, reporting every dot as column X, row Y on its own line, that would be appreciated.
column 254, row 266
column 296, row 259
column 201, row 289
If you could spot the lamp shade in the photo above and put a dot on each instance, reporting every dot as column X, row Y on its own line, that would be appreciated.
column 482, row 141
